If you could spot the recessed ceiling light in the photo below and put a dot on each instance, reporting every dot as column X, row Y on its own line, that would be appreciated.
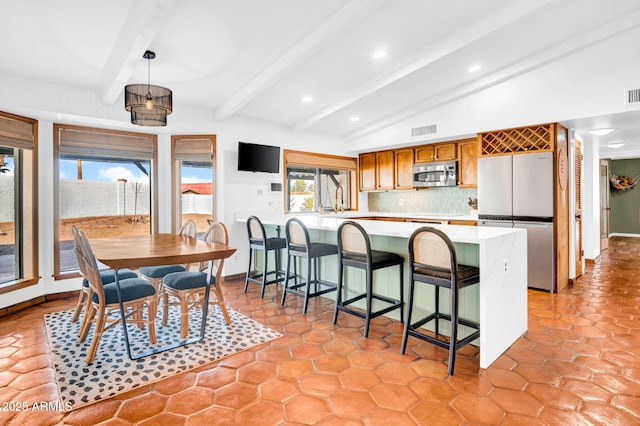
column 615, row 145
column 601, row 132
column 379, row 54
column 306, row 99
column 355, row 118
column 474, row 68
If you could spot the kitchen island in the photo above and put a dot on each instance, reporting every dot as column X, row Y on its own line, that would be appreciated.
column 499, row 302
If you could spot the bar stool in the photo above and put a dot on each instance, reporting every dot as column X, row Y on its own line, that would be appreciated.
column 434, row 261
column 354, row 249
column 258, row 241
column 299, row 246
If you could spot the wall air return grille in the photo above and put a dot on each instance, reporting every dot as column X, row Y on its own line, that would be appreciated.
column 632, row 97
column 424, row 130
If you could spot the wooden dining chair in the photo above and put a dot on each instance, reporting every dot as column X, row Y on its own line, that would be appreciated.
column 188, row 287
column 104, row 310
column 107, row 276
column 154, row 274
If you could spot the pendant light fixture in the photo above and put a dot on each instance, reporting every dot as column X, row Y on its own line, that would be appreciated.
column 149, row 105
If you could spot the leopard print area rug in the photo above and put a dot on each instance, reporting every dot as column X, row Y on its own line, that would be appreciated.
column 113, row 373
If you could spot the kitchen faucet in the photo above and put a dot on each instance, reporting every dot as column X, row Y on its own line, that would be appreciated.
column 339, row 206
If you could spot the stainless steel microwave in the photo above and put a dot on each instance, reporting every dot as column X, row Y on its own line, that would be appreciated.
column 444, row 173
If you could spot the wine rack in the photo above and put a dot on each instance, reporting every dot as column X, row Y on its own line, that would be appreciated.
column 522, row 139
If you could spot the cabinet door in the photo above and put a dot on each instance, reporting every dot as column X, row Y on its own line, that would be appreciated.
column 445, row 152
column 468, row 163
column 367, row 168
column 464, row 222
column 385, row 170
column 404, row 168
column 425, row 154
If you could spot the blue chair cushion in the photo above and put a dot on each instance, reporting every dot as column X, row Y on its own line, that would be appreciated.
column 185, row 280
column 160, row 271
column 109, row 276
column 130, row 289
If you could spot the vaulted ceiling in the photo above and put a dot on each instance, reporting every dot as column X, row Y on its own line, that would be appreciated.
column 259, row 58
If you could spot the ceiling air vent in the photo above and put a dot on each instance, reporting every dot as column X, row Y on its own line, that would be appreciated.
column 424, row 130
column 632, row 97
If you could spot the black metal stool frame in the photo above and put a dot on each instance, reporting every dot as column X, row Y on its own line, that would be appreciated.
column 453, row 283
column 265, row 244
column 312, row 252
column 354, row 259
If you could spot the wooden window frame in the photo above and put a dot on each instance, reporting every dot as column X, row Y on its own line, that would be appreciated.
column 22, row 133
column 89, row 141
column 325, row 161
column 190, row 147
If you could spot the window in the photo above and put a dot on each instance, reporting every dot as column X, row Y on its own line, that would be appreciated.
column 193, row 177
column 105, row 182
column 18, row 192
column 313, row 190
column 318, row 182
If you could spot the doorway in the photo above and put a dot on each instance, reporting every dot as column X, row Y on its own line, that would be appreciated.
column 604, row 205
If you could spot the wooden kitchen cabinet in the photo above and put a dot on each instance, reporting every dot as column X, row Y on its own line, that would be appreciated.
column 464, row 222
column 385, row 170
column 424, row 154
column 436, row 152
column 367, row 168
column 468, row 163
column 404, row 168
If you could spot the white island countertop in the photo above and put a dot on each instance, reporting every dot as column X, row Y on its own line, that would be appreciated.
column 406, row 215
column 501, row 254
column 331, row 222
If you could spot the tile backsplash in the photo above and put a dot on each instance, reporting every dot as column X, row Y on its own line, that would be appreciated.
column 452, row 200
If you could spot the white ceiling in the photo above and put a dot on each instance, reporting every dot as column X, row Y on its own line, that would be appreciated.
column 257, row 58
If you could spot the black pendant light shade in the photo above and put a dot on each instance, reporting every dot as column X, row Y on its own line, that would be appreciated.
column 149, row 105
column 154, row 117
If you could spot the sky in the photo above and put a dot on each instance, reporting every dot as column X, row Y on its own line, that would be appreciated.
column 103, row 171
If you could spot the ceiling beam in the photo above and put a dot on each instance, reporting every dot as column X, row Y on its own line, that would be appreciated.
column 437, row 51
column 508, row 72
column 328, row 30
column 144, row 19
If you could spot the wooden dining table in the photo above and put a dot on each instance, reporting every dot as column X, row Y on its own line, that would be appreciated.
column 153, row 250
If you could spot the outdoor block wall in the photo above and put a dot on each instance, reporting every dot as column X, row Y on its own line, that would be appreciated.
column 80, row 198
column 7, row 199
column 84, row 198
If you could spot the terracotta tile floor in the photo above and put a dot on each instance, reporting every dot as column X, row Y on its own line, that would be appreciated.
column 579, row 363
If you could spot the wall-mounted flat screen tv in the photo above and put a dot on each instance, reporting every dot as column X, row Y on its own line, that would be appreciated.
column 258, row 158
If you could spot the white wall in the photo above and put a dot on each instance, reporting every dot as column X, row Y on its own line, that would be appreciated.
column 237, row 193
column 591, row 200
column 247, row 193
column 576, row 86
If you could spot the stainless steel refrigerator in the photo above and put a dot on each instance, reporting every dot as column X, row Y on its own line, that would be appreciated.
column 517, row 191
